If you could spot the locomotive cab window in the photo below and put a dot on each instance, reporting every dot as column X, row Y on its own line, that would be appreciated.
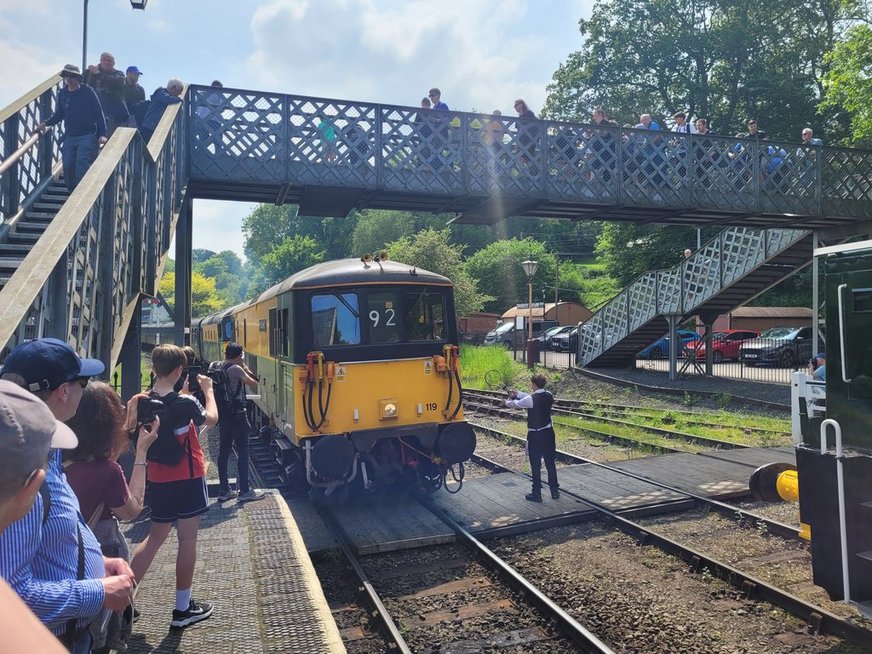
column 335, row 319
column 424, row 313
column 383, row 317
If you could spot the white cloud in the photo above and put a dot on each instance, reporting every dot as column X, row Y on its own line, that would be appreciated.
column 477, row 52
column 23, row 67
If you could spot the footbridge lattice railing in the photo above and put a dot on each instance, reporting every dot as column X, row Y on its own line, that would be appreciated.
column 253, row 137
column 83, row 279
column 726, row 259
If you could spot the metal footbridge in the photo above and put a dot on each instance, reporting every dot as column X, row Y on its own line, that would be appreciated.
column 76, row 266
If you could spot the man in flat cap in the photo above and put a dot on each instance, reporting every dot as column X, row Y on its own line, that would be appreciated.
column 50, row 557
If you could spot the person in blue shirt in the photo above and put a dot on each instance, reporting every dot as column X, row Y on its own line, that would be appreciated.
column 27, row 431
column 817, row 367
column 50, row 557
column 162, row 98
column 84, row 125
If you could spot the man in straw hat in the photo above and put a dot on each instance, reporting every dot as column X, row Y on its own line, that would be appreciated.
column 84, row 125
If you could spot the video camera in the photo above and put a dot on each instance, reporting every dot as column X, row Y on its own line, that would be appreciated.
column 147, row 408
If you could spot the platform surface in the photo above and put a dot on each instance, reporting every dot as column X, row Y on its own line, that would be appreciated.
column 253, row 567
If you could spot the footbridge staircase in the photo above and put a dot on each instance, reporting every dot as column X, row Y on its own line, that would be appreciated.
column 728, row 271
column 76, row 266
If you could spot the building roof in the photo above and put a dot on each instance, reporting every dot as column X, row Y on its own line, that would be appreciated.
column 538, row 309
column 772, row 312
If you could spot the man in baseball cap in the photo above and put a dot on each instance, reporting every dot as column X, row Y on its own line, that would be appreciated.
column 53, row 371
column 133, row 92
column 60, row 572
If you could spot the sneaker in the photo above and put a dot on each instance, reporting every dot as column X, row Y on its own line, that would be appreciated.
column 555, row 494
column 228, row 495
column 251, row 495
column 196, row 612
column 533, row 497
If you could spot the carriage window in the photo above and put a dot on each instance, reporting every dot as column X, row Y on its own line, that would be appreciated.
column 424, row 316
column 336, row 319
column 382, row 319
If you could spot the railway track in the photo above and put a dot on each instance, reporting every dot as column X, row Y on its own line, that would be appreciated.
column 629, row 412
column 819, row 619
column 451, row 599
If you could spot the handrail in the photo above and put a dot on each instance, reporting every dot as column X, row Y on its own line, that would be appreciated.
column 7, row 163
column 13, row 107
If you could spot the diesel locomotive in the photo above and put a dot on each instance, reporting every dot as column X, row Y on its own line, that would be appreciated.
column 360, row 375
column 832, row 433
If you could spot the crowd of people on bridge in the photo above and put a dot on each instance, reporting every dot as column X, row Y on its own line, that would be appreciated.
column 93, row 104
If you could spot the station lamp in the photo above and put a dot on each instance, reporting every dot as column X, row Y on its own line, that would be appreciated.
column 138, row 4
column 530, row 267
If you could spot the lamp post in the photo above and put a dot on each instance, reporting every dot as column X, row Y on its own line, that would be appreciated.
column 530, row 267
column 134, row 4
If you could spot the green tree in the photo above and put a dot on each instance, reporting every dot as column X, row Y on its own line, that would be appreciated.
column 719, row 59
column 375, row 229
column 293, row 254
column 204, row 298
column 497, row 268
column 268, row 225
column 848, row 83
column 629, row 250
column 432, row 250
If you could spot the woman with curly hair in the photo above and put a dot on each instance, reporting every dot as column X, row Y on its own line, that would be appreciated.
column 94, row 473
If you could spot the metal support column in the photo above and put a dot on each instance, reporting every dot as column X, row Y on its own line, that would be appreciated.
column 673, row 346
column 815, row 297
column 131, row 374
column 184, row 261
column 709, row 350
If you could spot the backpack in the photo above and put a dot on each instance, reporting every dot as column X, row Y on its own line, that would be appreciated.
column 225, row 397
column 166, row 449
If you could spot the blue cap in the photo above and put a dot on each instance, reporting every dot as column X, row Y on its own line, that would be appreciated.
column 134, row 69
column 820, row 355
column 47, row 363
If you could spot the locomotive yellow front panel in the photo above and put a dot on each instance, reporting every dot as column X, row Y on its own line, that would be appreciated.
column 376, row 394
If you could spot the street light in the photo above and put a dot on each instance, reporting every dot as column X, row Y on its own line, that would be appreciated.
column 134, row 4
column 530, row 267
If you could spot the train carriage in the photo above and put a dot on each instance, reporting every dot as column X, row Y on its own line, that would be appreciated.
column 359, row 370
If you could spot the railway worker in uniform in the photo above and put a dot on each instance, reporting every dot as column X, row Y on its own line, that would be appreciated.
column 540, row 434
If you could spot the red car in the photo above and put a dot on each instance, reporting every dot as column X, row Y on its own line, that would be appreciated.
column 725, row 344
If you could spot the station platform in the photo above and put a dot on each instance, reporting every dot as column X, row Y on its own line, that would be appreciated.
column 252, row 565
column 495, row 505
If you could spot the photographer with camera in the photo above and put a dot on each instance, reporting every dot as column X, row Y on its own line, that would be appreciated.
column 177, row 474
column 817, row 367
column 233, row 422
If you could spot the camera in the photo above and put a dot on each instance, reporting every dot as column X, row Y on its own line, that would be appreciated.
column 147, row 408
column 193, row 384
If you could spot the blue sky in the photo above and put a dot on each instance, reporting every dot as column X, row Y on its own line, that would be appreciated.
column 482, row 53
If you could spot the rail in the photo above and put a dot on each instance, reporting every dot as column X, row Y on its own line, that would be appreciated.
column 83, row 279
column 257, row 137
column 24, row 166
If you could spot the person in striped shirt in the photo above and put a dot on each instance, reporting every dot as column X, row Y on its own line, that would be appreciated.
column 50, row 557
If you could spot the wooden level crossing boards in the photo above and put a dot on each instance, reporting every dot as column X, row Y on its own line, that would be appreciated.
column 719, row 474
column 374, row 523
column 497, row 501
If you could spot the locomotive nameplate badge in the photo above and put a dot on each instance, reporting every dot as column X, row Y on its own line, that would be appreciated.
column 340, row 373
column 428, row 367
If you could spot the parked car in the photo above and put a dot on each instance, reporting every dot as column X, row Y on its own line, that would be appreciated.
column 780, row 346
column 725, row 344
column 660, row 348
column 505, row 334
column 566, row 341
column 543, row 340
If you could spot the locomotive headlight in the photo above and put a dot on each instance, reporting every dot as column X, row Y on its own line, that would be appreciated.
column 388, row 409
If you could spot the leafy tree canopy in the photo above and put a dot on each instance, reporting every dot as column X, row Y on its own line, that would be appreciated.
column 432, row 250
column 719, row 59
column 269, row 225
column 498, row 270
column 204, row 298
column 293, row 254
column 848, row 82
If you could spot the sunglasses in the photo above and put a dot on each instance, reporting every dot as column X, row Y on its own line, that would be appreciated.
column 31, row 477
column 82, row 381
